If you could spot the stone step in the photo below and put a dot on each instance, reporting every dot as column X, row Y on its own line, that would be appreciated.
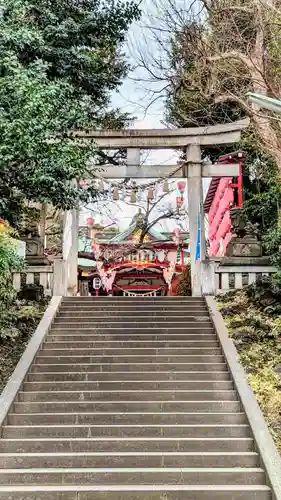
column 127, row 418
column 118, row 430
column 134, row 300
column 117, row 460
column 153, row 308
column 86, row 335
column 131, row 395
column 121, row 322
column 137, row 492
column 143, row 444
column 52, row 343
column 148, row 476
column 145, row 313
column 62, row 406
column 130, row 367
column 156, row 331
column 130, row 358
column 128, row 376
column 128, row 385
column 129, row 351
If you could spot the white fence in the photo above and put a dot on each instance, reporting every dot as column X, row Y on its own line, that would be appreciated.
column 235, row 277
column 38, row 275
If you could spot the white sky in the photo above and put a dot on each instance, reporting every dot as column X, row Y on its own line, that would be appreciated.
column 134, row 98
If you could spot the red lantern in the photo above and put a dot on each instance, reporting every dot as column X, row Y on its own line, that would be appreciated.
column 181, row 186
column 179, row 201
column 91, row 221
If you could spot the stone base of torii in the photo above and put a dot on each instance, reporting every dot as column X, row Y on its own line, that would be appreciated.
column 190, row 140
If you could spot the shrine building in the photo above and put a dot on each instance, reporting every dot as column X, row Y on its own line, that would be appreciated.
column 122, row 266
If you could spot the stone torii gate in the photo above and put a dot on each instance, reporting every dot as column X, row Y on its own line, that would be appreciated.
column 189, row 140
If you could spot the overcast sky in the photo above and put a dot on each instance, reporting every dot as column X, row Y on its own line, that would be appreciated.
column 134, row 97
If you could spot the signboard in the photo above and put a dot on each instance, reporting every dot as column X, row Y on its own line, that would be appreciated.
column 96, row 283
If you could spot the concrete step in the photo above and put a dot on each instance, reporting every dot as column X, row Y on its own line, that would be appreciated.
column 128, row 344
column 148, row 476
column 137, row 492
column 140, row 314
column 131, row 395
column 130, row 367
column 128, row 376
column 129, row 351
column 52, row 343
column 127, row 418
column 134, row 300
column 118, row 430
column 123, row 322
column 116, row 445
column 128, row 385
column 116, row 460
column 86, row 335
column 62, row 406
column 103, row 330
column 153, row 308
column 130, row 358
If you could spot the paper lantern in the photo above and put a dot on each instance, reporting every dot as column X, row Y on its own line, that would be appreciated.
column 181, row 186
column 150, row 194
column 166, row 186
column 91, row 221
column 179, row 201
column 115, row 194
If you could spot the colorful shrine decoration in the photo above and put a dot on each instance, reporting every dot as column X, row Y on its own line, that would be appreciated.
column 223, row 194
column 124, row 268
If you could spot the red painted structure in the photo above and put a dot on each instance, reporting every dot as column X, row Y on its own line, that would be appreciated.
column 223, row 194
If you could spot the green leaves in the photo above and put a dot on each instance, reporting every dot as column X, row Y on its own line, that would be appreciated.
column 59, row 61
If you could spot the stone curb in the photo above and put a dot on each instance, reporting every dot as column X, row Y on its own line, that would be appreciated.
column 18, row 376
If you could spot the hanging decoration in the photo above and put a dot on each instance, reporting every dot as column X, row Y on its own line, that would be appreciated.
column 132, row 294
column 134, row 192
column 150, row 194
column 166, row 186
column 115, row 194
column 130, row 191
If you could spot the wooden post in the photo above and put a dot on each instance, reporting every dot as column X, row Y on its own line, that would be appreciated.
column 194, row 192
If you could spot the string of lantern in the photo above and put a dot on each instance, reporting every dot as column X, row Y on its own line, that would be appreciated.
column 136, row 193
column 119, row 190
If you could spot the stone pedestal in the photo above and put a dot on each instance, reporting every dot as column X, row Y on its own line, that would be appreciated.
column 244, row 247
column 34, row 255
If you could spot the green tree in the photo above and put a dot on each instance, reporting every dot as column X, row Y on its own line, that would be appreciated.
column 59, row 62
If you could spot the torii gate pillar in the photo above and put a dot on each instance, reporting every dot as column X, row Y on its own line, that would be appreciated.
column 195, row 195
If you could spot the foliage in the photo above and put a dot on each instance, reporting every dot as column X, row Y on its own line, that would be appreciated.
column 254, row 324
column 183, row 285
column 59, row 61
column 8, row 260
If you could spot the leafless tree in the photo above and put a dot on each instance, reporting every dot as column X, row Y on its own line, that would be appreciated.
column 212, row 53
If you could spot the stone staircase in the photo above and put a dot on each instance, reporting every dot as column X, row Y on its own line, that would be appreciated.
column 130, row 399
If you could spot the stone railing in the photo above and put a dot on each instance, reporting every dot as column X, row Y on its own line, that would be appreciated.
column 38, row 275
column 228, row 277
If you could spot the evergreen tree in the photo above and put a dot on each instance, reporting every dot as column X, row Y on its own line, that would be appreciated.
column 59, row 62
